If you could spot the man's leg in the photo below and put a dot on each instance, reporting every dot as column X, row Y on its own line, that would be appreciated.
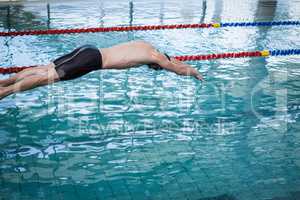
column 32, row 80
column 13, row 79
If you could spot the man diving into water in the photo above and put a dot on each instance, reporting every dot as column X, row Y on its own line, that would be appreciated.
column 88, row 58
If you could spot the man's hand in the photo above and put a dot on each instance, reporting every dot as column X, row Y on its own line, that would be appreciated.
column 196, row 74
column 176, row 66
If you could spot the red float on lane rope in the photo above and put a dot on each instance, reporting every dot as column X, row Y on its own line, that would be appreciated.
column 104, row 29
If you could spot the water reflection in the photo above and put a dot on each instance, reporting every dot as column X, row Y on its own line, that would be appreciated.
column 161, row 12
column 18, row 18
column 131, row 12
column 218, row 9
column 102, row 13
column 6, row 23
column 266, row 10
column 48, row 15
column 203, row 14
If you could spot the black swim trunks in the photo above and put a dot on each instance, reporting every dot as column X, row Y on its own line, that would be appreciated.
column 79, row 62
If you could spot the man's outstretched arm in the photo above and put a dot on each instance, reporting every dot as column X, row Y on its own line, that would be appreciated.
column 176, row 66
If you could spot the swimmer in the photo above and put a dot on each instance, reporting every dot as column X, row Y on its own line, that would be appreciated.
column 89, row 58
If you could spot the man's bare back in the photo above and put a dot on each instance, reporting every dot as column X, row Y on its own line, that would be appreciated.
column 88, row 58
column 126, row 55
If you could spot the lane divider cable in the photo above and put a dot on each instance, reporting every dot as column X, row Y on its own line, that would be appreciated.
column 147, row 27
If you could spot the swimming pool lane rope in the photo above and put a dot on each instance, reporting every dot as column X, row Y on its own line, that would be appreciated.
column 147, row 27
column 265, row 53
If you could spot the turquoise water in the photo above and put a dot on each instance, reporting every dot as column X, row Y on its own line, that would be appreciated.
column 142, row 134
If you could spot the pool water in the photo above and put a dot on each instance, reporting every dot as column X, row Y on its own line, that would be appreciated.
column 143, row 134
